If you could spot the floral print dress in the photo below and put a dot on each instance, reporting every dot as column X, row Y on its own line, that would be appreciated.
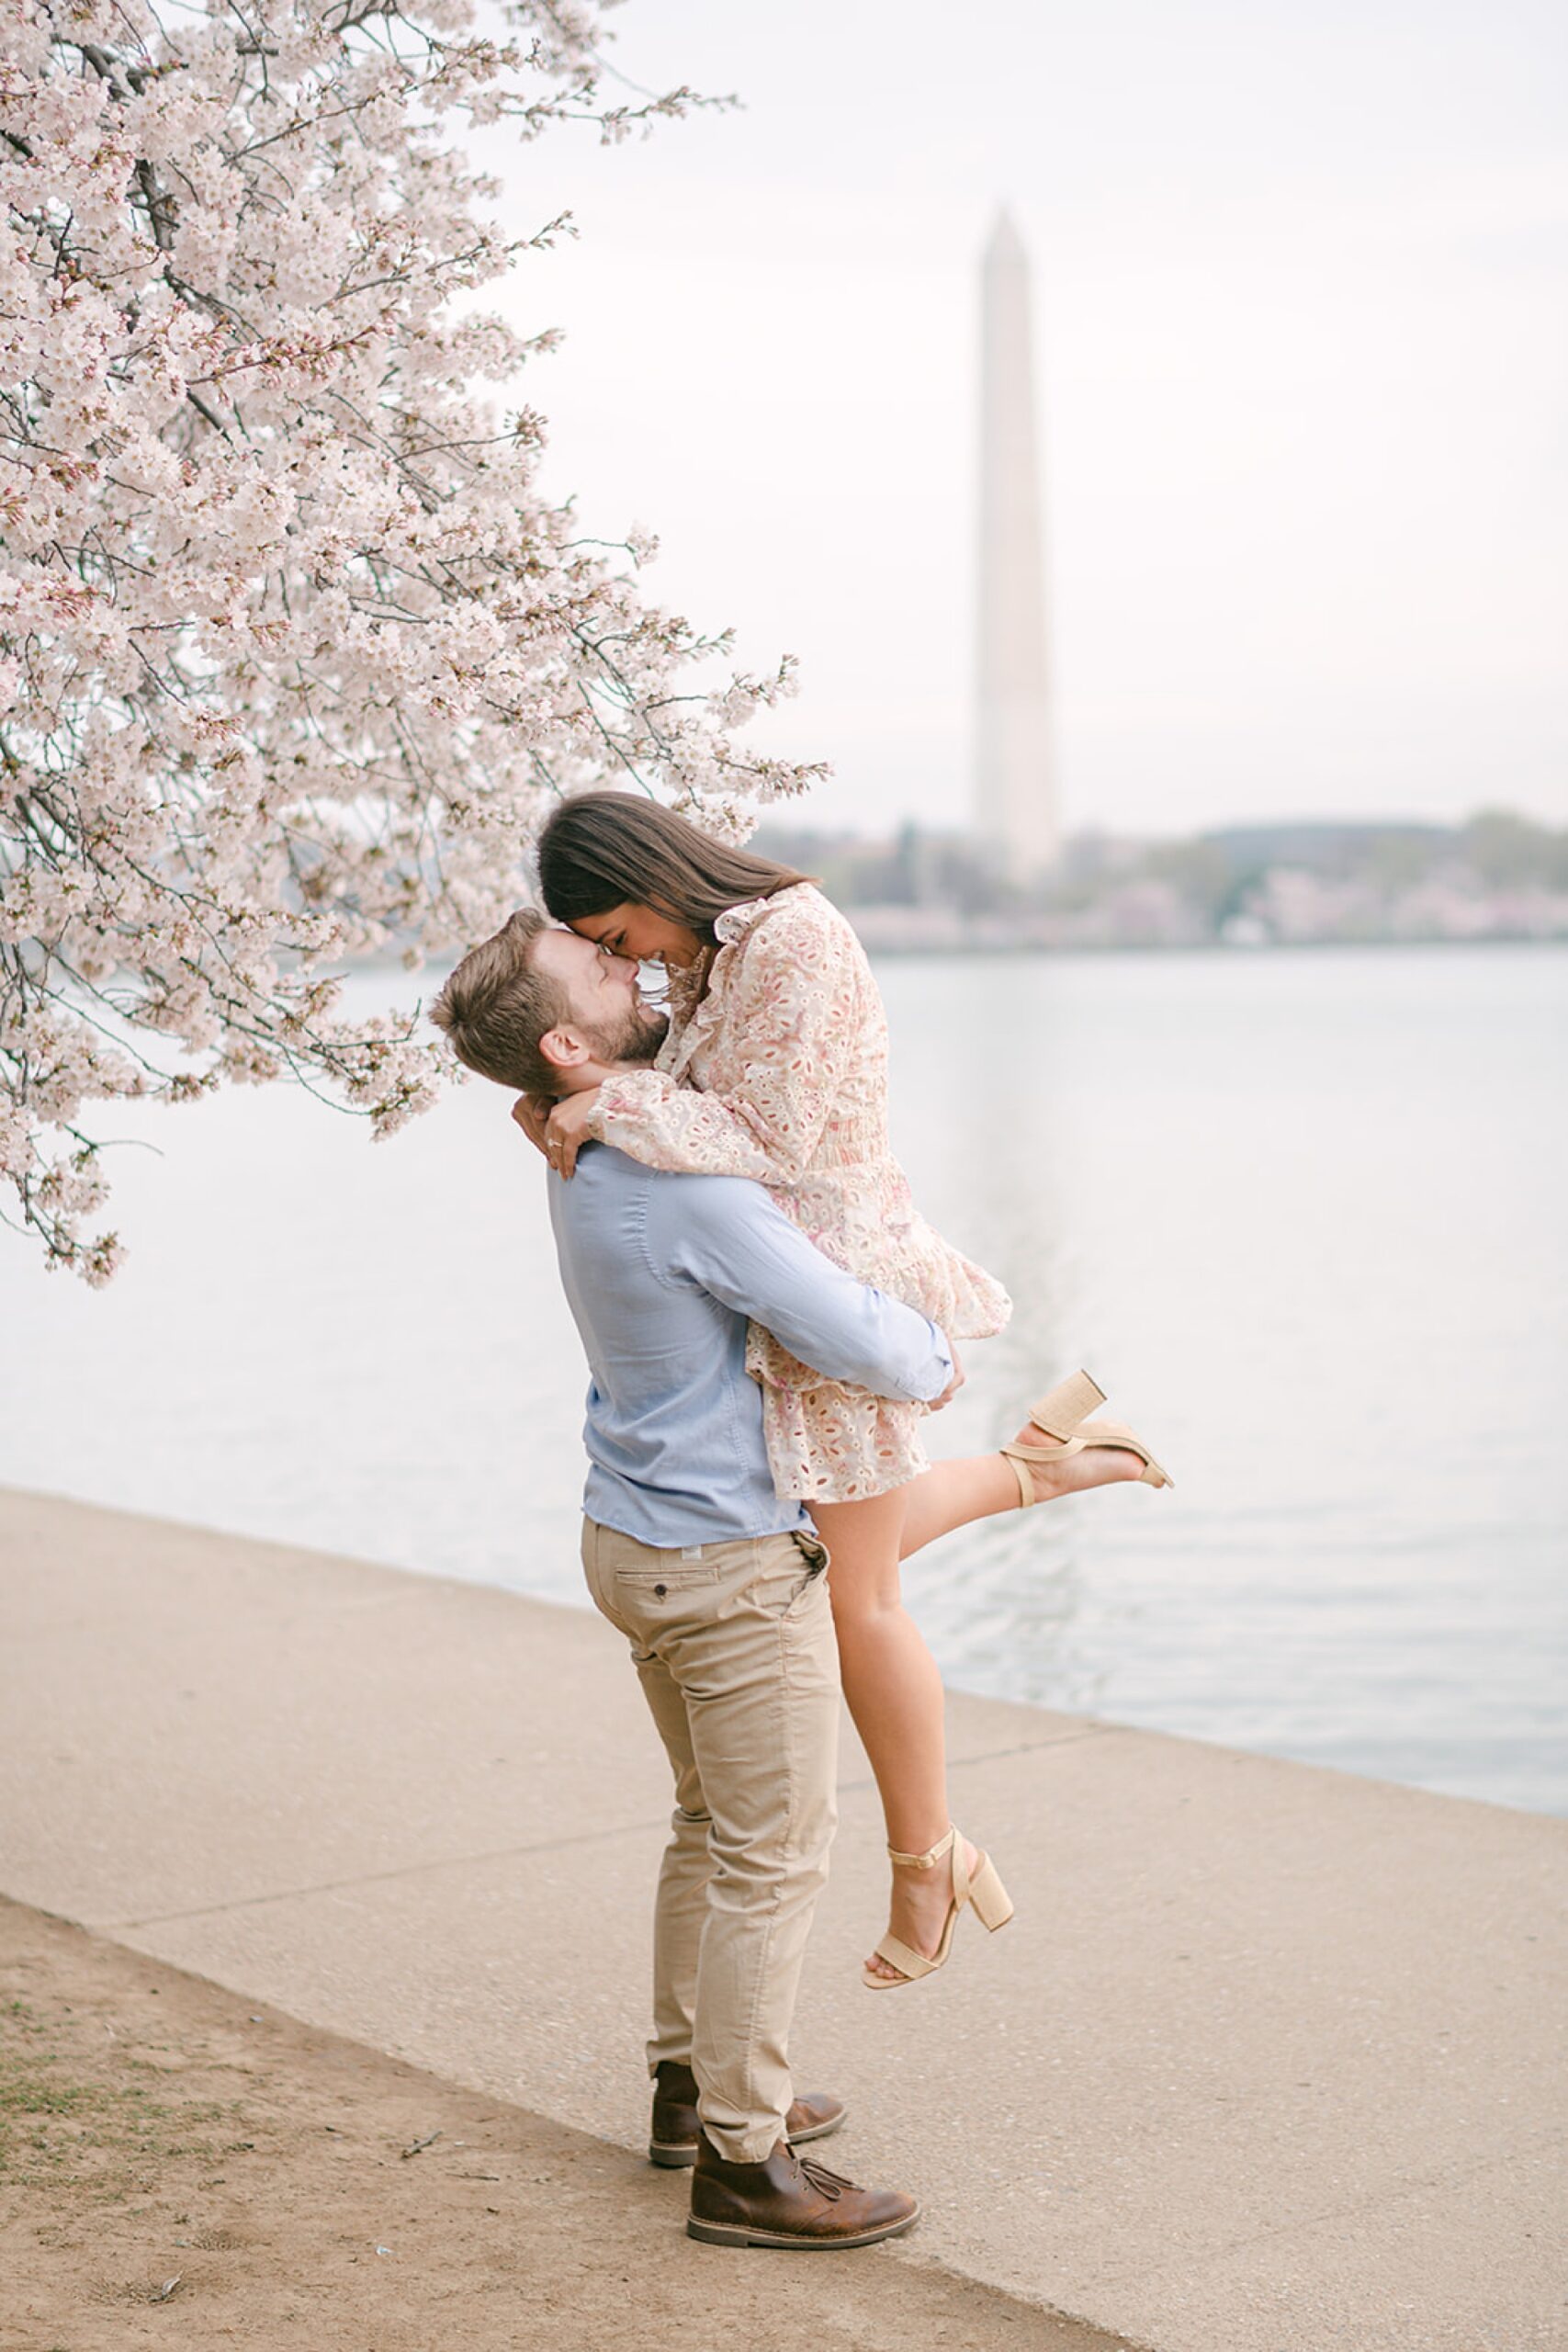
column 779, row 1071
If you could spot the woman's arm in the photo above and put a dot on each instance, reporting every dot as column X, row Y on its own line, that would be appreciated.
column 791, row 1028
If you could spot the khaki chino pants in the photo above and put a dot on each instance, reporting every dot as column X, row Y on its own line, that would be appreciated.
column 733, row 1643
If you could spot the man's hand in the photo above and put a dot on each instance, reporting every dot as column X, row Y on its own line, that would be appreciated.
column 566, row 1129
column 953, row 1385
column 532, row 1112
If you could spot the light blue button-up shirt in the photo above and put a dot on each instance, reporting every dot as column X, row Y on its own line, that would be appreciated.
column 662, row 1272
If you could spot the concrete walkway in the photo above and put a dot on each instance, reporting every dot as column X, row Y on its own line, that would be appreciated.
column 1269, row 2062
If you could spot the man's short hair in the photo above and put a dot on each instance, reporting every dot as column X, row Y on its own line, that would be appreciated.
column 497, row 1006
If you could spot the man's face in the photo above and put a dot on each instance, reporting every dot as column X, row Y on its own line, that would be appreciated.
column 606, row 1007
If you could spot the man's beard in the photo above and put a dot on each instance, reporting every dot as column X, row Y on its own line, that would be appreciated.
column 634, row 1038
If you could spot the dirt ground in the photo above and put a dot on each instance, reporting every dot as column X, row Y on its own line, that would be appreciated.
column 180, row 2166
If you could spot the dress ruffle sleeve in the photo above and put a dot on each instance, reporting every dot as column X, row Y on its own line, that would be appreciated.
column 786, row 999
column 644, row 1114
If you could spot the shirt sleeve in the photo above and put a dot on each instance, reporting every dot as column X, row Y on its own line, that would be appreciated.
column 794, row 1006
column 729, row 1240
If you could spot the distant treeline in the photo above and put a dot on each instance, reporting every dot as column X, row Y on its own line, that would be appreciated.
column 1498, row 875
column 1213, row 870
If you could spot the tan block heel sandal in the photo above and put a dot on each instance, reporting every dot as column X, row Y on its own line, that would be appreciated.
column 984, row 1889
column 1064, row 1415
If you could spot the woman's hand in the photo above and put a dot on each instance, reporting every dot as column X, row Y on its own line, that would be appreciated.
column 532, row 1114
column 953, row 1385
column 566, row 1129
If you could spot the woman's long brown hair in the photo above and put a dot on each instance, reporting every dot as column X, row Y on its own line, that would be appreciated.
column 611, row 849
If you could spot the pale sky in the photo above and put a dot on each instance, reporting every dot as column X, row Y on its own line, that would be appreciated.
column 1302, row 347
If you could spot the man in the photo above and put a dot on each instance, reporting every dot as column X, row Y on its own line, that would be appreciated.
column 717, row 1582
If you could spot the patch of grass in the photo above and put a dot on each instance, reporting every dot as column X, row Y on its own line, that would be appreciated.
column 25, row 2095
column 60, row 2124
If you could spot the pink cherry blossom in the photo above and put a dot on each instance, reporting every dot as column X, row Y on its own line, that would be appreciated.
column 294, row 654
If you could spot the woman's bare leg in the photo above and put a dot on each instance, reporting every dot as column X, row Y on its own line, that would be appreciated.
column 891, row 1680
column 954, row 1494
column 890, row 1677
column 977, row 1486
column 894, row 1695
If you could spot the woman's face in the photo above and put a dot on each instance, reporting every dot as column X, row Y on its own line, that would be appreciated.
column 639, row 933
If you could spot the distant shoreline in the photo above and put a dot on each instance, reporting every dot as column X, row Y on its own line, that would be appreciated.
column 1189, row 947
column 882, row 951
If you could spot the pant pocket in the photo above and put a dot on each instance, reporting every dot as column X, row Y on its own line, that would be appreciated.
column 789, row 1570
column 815, row 1552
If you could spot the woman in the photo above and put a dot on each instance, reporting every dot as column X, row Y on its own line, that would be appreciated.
column 775, row 1069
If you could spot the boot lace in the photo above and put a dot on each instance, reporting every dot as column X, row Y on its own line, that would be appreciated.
column 831, row 2184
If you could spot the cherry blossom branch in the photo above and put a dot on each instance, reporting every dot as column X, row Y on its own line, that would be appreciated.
column 294, row 652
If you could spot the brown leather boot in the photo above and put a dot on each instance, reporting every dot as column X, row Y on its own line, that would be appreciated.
column 790, row 2201
column 677, row 2128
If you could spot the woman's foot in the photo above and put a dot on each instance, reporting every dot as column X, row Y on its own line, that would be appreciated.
column 918, row 1911
column 1096, row 1466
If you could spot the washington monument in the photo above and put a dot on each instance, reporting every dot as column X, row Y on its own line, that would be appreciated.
column 1016, row 801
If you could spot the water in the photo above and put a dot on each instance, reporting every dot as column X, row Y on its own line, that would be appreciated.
column 1304, row 1216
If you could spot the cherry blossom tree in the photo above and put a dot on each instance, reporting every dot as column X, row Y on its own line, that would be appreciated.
column 295, row 652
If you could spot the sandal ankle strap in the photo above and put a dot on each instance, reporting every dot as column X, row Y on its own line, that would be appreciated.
column 930, row 1858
